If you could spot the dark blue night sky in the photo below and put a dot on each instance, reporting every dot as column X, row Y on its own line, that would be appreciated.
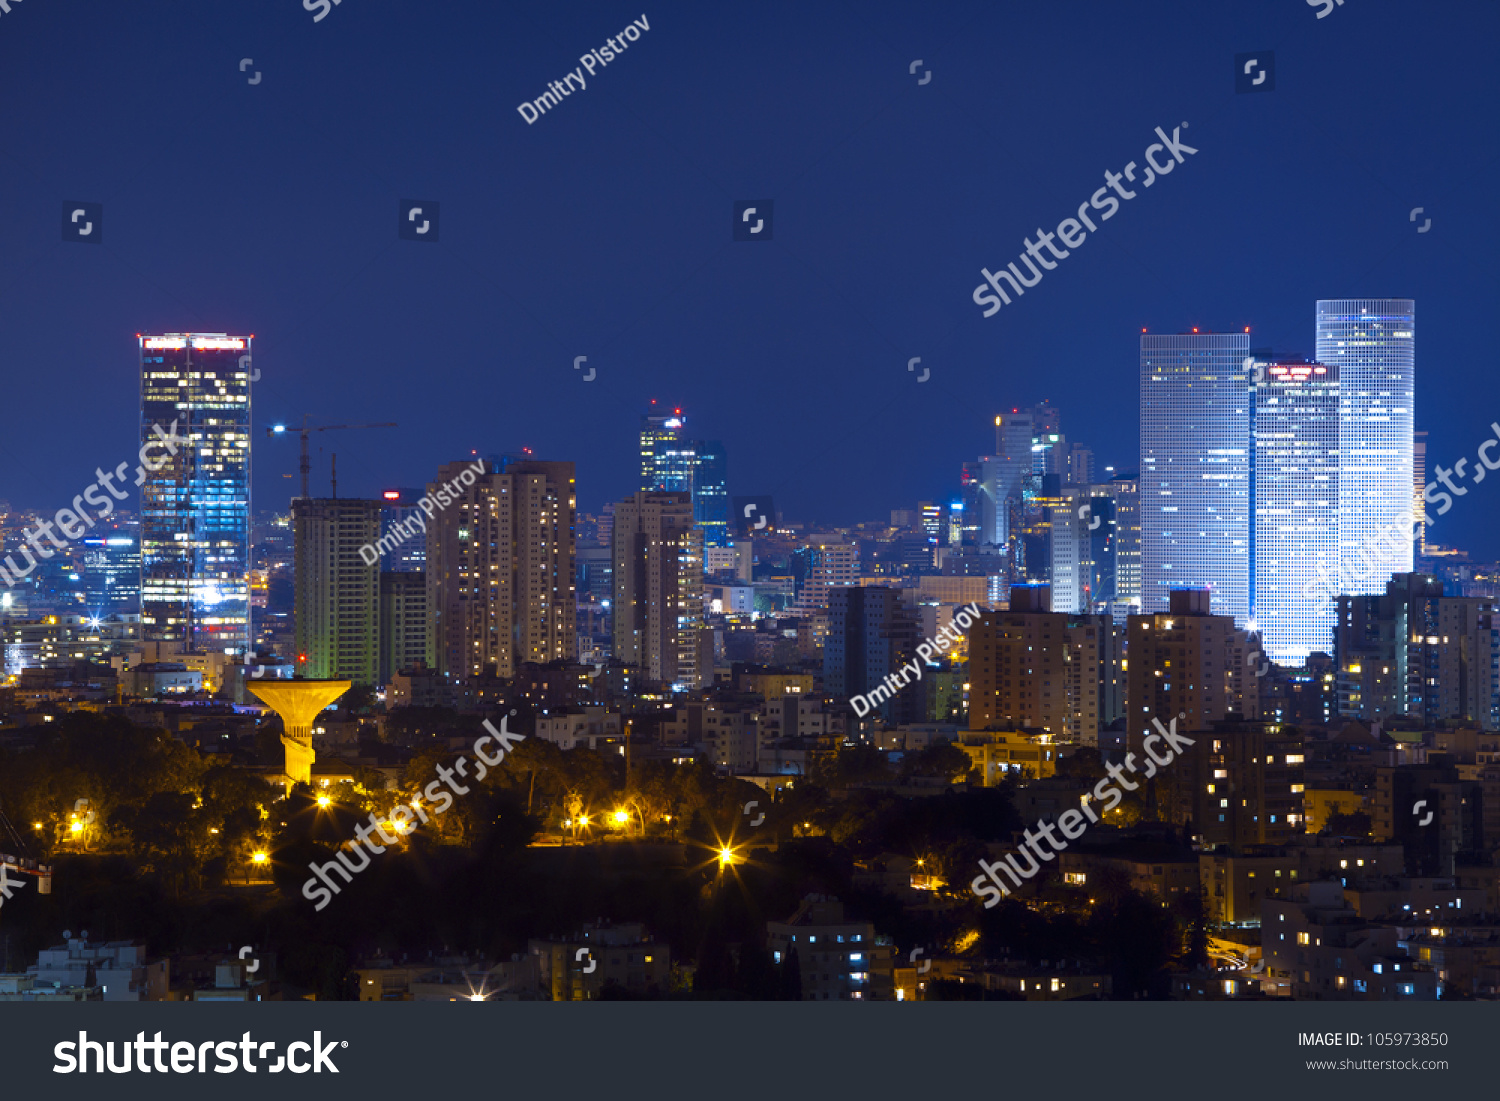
column 604, row 228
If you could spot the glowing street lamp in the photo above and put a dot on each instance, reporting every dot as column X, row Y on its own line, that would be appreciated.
column 324, row 802
column 726, row 857
column 259, row 858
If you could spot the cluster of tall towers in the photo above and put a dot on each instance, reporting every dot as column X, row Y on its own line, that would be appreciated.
column 1260, row 470
column 1261, row 474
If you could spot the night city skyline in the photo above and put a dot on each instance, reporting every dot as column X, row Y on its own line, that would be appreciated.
column 720, row 506
column 697, row 325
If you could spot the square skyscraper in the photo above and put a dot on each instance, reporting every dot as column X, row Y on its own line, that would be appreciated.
column 1195, row 469
column 195, row 507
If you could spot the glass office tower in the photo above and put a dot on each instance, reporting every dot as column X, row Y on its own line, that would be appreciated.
column 664, row 467
column 1013, row 437
column 1295, row 479
column 1372, row 343
column 1195, row 470
column 671, row 463
column 1126, row 493
column 711, row 492
column 195, row 507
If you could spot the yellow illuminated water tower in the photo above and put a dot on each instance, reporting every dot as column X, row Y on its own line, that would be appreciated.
column 298, row 702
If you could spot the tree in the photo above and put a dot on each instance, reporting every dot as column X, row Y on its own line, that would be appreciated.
column 1357, row 824
column 850, row 765
column 757, row 976
column 169, row 832
column 942, row 759
column 790, row 977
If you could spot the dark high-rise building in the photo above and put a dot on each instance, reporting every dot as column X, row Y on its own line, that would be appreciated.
column 500, row 569
column 1413, row 651
column 405, row 629
column 406, row 555
column 1033, row 668
column 1126, row 546
column 338, row 594
column 195, row 506
column 1240, row 783
column 871, row 633
column 1189, row 665
column 658, row 585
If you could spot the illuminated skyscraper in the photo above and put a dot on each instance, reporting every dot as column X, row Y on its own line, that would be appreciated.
column 671, row 463
column 1012, row 462
column 1295, row 474
column 1372, row 343
column 195, row 507
column 1195, row 469
column 664, row 468
column 112, row 571
column 1419, row 487
column 337, row 592
column 500, row 570
column 711, row 492
column 658, row 578
column 1126, row 544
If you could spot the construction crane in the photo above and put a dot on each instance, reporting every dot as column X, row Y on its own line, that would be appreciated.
column 281, row 429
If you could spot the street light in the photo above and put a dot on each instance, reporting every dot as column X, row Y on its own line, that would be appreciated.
column 324, row 802
column 259, row 858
